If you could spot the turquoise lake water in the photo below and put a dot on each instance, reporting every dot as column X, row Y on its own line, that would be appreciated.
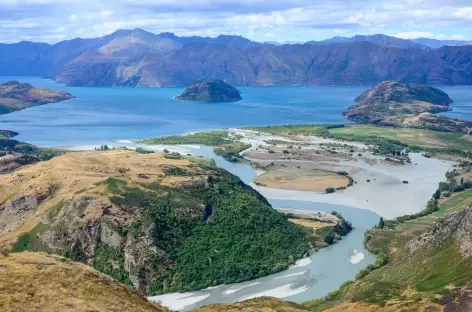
column 104, row 114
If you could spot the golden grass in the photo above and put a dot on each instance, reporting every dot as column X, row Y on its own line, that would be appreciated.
column 262, row 304
column 78, row 175
column 40, row 282
column 302, row 180
column 363, row 307
column 310, row 224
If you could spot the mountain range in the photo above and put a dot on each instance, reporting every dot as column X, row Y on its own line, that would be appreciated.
column 140, row 58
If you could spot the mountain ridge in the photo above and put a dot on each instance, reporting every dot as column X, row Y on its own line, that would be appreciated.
column 140, row 58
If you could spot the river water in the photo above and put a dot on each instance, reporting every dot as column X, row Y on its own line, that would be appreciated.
column 309, row 279
column 114, row 115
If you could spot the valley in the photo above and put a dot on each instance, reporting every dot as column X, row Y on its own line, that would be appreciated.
column 287, row 159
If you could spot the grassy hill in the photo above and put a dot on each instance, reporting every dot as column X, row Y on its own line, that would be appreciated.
column 154, row 222
column 39, row 282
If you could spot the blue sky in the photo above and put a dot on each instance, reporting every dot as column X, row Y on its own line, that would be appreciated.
column 262, row 20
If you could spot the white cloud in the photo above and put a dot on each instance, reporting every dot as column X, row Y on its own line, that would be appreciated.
column 414, row 35
column 286, row 20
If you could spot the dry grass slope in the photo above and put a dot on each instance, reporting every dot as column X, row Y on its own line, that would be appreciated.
column 40, row 282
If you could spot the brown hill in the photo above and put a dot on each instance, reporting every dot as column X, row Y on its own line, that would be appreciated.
column 391, row 103
column 16, row 96
column 210, row 91
column 39, row 282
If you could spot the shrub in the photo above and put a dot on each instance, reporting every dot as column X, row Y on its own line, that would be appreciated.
column 329, row 190
column 285, row 152
column 141, row 150
column 344, row 173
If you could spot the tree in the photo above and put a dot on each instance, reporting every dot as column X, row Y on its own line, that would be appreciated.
column 462, row 180
column 329, row 237
column 437, row 195
column 381, row 223
column 329, row 190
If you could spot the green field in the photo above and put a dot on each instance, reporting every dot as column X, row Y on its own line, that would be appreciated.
column 317, row 130
column 416, row 137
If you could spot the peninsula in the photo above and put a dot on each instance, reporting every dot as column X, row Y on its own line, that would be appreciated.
column 15, row 96
column 391, row 103
column 210, row 91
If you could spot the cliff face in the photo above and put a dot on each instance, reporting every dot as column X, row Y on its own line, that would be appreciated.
column 455, row 227
column 154, row 223
column 139, row 58
column 210, row 91
column 391, row 103
column 16, row 96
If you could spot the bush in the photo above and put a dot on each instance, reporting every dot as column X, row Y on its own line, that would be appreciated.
column 343, row 173
column 329, row 190
column 285, row 152
column 141, row 150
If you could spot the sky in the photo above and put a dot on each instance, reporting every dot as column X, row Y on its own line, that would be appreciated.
column 52, row 21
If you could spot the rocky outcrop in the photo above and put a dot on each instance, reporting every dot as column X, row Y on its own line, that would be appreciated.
column 7, row 134
column 16, row 96
column 391, row 103
column 456, row 227
column 210, row 91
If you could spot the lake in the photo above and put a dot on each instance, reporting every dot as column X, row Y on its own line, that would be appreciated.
column 108, row 115
column 99, row 115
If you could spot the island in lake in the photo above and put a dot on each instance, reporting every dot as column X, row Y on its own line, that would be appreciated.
column 15, row 96
column 210, row 91
column 391, row 103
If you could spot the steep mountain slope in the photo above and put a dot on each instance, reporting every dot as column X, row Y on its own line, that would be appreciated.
column 156, row 222
column 139, row 58
column 40, row 282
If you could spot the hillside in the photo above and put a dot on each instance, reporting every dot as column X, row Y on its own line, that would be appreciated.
column 391, row 103
column 139, row 58
column 40, row 282
column 16, row 96
column 159, row 223
column 210, row 91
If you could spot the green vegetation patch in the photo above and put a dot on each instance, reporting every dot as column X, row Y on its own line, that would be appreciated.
column 110, row 260
column 315, row 130
column 413, row 137
column 29, row 240
column 114, row 186
column 213, row 138
column 215, row 231
column 231, row 151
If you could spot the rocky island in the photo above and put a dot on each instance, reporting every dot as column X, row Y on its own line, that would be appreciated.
column 391, row 103
column 210, row 91
column 16, row 96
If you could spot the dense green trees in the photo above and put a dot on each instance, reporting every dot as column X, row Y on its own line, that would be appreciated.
column 216, row 231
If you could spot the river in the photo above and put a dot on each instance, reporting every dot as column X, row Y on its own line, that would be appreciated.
column 309, row 279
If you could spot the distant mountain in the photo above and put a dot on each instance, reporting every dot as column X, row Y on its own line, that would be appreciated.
column 140, row 58
column 434, row 43
column 379, row 38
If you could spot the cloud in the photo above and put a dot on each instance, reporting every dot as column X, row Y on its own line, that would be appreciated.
column 414, row 35
column 289, row 20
